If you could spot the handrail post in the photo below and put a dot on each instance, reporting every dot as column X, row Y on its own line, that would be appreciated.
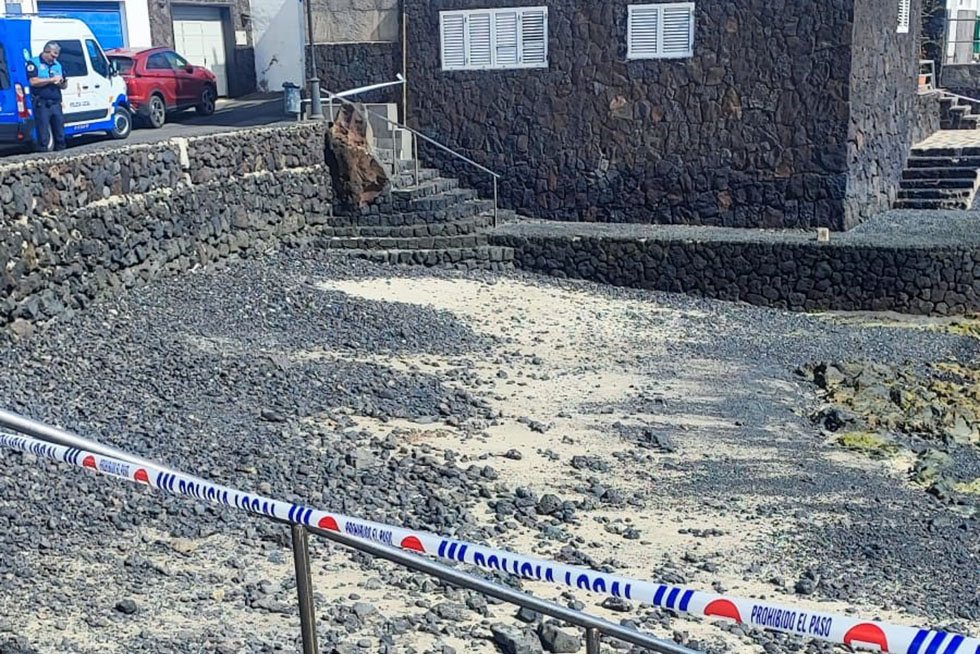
column 316, row 106
column 591, row 641
column 415, row 148
column 304, row 588
column 495, row 201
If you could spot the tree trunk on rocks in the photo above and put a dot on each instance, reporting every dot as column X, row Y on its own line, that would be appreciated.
column 358, row 177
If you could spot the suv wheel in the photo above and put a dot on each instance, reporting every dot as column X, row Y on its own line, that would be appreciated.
column 157, row 114
column 122, row 123
column 208, row 99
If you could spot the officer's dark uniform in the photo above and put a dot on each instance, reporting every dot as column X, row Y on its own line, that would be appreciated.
column 47, row 102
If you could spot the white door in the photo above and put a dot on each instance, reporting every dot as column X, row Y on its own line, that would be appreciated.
column 199, row 38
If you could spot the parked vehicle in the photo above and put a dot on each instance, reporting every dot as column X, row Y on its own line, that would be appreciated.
column 95, row 98
column 160, row 81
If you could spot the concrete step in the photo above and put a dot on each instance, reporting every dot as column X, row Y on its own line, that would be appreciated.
column 935, row 194
column 491, row 257
column 933, row 205
column 364, row 243
column 968, row 151
column 962, row 161
column 428, row 188
column 398, row 202
column 406, row 178
column 940, row 173
column 951, row 184
column 472, row 225
column 393, row 217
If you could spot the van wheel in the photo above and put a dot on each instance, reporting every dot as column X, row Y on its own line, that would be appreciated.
column 208, row 99
column 122, row 123
column 158, row 112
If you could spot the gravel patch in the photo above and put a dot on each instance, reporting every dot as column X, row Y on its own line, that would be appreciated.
column 253, row 375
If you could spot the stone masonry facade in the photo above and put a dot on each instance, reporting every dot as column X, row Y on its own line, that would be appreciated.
column 777, row 120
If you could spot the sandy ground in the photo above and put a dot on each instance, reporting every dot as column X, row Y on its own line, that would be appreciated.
column 567, row 359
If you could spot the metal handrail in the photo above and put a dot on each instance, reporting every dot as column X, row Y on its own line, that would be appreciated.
column 594, row 626
column 342, row 98
column 960, row 97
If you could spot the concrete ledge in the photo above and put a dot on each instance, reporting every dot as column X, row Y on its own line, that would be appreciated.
column 905, row 261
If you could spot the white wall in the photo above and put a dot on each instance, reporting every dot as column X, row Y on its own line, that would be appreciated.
column 278, row 36
column 137, row 16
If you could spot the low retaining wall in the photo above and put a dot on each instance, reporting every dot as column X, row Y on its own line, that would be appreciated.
column 55, row 265
column 78, row 226
column 888, row 266
column 56, row 184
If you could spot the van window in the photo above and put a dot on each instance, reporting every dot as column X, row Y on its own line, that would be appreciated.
column 99, row 63
column 72, row 59
column 4, row 71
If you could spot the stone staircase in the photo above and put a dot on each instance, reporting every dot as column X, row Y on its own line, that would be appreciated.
column 958, row 113
column 940, row 178
column 436, row 223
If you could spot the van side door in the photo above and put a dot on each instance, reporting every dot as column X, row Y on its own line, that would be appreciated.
column 82, row 99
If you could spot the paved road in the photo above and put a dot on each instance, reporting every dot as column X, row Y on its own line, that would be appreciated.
column 230, row 115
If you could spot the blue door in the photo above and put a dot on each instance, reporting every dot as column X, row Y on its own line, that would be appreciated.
column 103, row 18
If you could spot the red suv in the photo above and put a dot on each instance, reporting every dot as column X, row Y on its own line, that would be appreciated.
column 159, row 81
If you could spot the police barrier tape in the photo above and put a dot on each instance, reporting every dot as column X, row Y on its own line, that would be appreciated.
column 812, row 624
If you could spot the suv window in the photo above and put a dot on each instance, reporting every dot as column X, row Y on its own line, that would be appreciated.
column 72, row 59
column 158, row 61
column 123, row 64
column 4, row 71
column 177, row 61
column 99, row 63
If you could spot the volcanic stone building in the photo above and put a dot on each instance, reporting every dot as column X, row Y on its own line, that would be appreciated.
column 748, row 113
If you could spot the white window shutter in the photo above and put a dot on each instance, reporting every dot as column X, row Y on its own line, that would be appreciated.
column 453, row 41
column 677, row 31
column 643, row 38
column 534, row 37
column 511, row 37
column 480, row 50
column 904, row 16
column 506, row 34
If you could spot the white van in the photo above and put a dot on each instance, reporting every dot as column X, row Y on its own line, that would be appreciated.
column 95, row 99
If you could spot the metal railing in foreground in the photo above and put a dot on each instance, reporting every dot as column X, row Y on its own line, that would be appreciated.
column 44, row 436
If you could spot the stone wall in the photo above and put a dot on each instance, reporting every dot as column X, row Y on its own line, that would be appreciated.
column 343, row 66
column 356, row 21
column 885, row 108
column 894, row 270
column 963, row 79
column 111, row 219
column 751, row 131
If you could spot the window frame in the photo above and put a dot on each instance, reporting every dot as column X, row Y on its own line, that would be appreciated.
column 5, row 81
column 491, row 13
column 97, row 58
column 904, row 16
column 175, row 60
column 163, row 56
column 632, row 56
column 82, row 53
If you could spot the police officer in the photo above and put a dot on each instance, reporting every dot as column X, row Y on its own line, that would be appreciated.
column 47, row 79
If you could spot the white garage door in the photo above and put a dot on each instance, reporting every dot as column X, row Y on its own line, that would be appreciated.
column 199, row 37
